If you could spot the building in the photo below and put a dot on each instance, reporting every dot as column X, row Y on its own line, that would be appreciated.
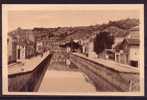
column 11, row 47
column 133, row 33
column 127, row 52
column 30, row 49
column 24, row 44
column 42, row 39
column 88, row 46
column 26, row 39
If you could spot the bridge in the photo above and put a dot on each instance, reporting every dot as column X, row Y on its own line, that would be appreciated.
column 51, row 73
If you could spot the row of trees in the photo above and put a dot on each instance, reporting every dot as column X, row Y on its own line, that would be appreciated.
column 103, row 40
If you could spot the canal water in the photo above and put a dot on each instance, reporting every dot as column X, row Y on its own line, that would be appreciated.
column 61, row 61
column 64, row 76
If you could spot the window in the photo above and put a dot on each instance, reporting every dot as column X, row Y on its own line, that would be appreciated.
column 134, row 63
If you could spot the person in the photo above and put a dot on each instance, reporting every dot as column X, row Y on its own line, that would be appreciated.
column 68, row 49
column 68, row 62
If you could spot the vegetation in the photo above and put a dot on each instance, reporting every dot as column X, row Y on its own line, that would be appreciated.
column 117, row 28
column 104, row 40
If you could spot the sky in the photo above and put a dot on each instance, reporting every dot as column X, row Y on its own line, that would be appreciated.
column 65, row 18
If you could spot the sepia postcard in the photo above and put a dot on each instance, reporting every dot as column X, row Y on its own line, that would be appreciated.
column 73, row 49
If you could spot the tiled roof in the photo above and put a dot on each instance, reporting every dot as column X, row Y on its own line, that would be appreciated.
column 130, row 42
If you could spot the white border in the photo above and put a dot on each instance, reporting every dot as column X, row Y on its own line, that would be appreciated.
column 83, row 7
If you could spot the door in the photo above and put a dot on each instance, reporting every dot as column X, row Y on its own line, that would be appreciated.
column 18, row 54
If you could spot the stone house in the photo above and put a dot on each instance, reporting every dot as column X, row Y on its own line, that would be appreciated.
column 127, row 52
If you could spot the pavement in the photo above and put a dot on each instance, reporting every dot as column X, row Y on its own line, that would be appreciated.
column 29, row 64
column 65, row 81
column 111, row 64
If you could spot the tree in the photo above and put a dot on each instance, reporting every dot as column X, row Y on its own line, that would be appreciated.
column 103, row 40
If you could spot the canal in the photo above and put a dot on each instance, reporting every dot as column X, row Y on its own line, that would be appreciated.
column 30, row 81
column 102, row 78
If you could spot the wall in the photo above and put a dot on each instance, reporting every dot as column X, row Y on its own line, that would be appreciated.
column 134, row 53
column 30, row 36
column 91, row 52
column 106, row 79
column 29, row 81
column 9, row 42
column 30, row 50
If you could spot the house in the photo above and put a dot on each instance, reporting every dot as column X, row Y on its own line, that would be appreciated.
column 42, row 37
column 26, row 40
column 90, row 49
column 88, row 46
column 11, row 47
column 127, row 52
column 133, row 33
column 30, row 43
column 24, row 43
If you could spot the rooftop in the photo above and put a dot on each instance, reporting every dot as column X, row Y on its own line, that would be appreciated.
column 133, row 41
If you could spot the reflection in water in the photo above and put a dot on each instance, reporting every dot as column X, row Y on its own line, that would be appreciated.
column 61, row 60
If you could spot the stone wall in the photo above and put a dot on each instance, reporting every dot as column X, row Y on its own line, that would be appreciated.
column 28, row 81
column 118, row 81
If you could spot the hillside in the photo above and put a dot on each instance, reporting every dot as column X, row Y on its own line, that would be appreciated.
column 117, row 28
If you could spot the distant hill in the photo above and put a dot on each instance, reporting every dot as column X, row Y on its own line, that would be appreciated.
column 117, row 28
column 116, row 31
column 125, row 24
